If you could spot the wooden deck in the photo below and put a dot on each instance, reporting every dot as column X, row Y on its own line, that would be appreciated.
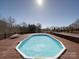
column 69, row 36
column 72, row 49
column 7, row 48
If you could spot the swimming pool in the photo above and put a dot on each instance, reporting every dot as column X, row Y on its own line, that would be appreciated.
column 40, row 45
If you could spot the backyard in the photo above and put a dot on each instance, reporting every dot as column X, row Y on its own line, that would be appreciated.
column 59, row 19
column 7, row 48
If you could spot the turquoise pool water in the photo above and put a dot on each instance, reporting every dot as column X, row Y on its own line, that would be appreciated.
column 40, row 46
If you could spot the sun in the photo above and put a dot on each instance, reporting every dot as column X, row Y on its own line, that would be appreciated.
column 39, row 2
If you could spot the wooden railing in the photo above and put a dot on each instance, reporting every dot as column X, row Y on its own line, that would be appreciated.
column 69, row 37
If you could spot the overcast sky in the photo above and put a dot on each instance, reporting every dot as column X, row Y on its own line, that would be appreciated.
column 46, row 12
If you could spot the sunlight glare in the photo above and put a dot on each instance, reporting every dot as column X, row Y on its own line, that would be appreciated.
column 39, row 2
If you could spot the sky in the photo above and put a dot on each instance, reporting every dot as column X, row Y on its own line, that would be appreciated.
column 47, row 12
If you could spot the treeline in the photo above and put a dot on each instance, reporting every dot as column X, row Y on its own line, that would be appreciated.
column 72, row 28
column 30, row 28
column 68, row 29
column 6, row 25
column 9, row 26
column 65, row 29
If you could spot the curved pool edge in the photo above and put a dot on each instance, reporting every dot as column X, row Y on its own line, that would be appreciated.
column 55, row 57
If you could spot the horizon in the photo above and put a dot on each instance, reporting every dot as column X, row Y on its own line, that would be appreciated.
column 46, row 12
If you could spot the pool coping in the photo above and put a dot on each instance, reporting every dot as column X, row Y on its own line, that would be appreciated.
column 55, row 57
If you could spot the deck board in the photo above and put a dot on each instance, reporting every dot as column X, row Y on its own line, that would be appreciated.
column 7, row 48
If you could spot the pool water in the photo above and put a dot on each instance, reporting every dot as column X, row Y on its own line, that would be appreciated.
column 40, row 46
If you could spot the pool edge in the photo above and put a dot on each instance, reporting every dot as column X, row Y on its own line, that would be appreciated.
column 55, row 57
